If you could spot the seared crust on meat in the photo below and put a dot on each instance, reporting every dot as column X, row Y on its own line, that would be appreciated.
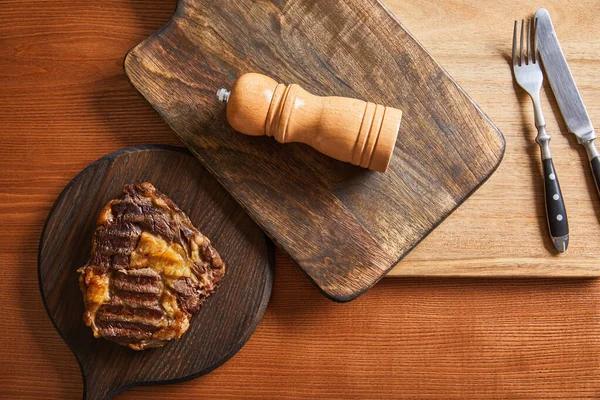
column 150, row 270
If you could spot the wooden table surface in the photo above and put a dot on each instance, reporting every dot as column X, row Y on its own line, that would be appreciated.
column 65, row 101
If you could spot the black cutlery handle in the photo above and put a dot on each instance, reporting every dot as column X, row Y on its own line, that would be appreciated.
column 595, row 163
column 555, row 205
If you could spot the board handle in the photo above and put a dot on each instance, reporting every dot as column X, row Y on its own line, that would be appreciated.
column 98, row 384
column 346, row 129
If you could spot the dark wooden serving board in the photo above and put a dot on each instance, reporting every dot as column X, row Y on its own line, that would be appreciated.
column 216, row 332
column 343, row 225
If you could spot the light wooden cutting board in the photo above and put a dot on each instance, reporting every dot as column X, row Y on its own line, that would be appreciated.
column 501, row 230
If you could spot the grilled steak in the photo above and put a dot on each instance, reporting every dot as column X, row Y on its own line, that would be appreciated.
column 150, row 270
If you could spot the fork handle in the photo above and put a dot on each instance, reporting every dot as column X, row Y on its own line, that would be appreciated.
column 556, row 213
column 555, row 205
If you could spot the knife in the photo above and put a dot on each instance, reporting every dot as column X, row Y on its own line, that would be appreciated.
column 564, row 88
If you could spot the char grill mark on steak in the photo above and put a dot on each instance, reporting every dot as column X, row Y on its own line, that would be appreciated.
column 134, row 299
column 141, row 211
column 137, row 287
column 144, row 307
column 125, row 313
column 145, row 280
column 114, row 244
column 125, row 336
column 136, row 312
column 124, row 323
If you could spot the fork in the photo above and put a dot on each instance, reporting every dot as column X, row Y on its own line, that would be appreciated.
column 528, row 74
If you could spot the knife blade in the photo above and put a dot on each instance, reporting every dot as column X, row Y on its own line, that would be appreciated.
column 565, row 90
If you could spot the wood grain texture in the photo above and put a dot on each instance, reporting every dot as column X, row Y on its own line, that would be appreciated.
column 502, row 230
column 343, row 225
column 223, row 324
column 65, row 102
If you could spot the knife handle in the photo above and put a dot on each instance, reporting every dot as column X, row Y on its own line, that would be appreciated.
column 555, row 205
column 595, row 164
column 594, row 157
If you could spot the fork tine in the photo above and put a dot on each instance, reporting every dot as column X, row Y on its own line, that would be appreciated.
column 522, row 61
column 514, row 54
column 529, row 35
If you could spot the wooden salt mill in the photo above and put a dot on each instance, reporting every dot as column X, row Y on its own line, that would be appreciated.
column 346, row 129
